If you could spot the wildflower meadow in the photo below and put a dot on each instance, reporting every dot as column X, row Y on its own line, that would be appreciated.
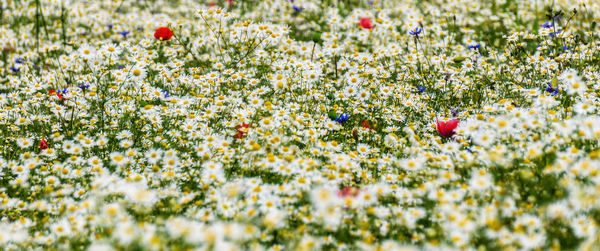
column 299, row 125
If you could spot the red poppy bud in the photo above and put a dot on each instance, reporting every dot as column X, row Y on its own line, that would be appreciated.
column 163, row 33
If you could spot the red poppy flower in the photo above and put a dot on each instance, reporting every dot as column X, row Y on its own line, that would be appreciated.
column 365, row 22
column 348, row 192
column 366, row 124
column 446, row 129
column 240, row 129
column 43, row 145
column 163, row 33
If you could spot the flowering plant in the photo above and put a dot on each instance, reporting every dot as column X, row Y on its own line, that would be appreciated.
column 299, row 125
column 163, row 34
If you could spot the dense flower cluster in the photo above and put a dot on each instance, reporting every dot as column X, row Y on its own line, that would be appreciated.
column 299, row 125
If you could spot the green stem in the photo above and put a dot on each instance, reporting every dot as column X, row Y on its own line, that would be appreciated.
column 185, row 47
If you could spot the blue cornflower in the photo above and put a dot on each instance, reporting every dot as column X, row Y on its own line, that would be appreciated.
column 165, row 93
column 421, row 89
column 124, row 33
column 454, row 112
column 342, row 118
column 19, row 61
column 120, row 67
column 83, row 86
column 477, row 46
column 14, row 69
column 416, row 31
column 553, row 34
column 469, row 150
column 553, row 91
column 63, row 91
column 548, row 25
column 296, row 8
column 109, row 26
